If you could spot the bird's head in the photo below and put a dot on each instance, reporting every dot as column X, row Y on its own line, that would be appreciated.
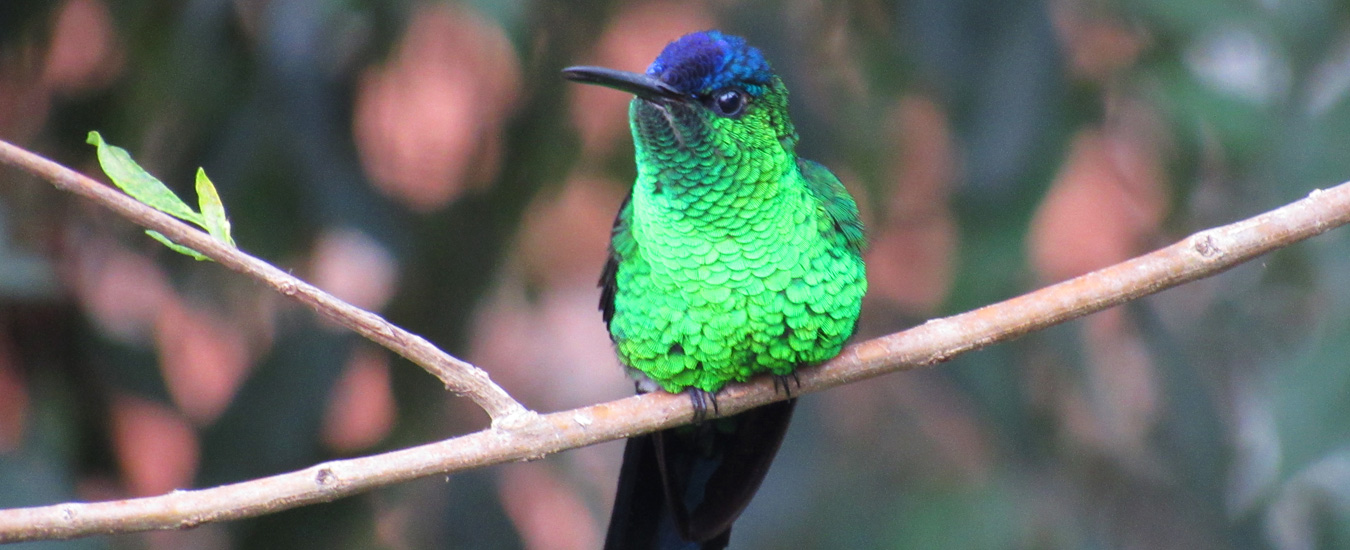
column 710, row 104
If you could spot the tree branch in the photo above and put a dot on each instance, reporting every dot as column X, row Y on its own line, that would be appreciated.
column 534, row 436
column 459, row 376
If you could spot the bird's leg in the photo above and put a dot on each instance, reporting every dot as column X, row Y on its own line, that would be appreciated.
column 700, row 399
column 780, row 381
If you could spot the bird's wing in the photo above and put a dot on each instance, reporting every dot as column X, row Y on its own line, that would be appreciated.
column 836, row 201
column 621, row 245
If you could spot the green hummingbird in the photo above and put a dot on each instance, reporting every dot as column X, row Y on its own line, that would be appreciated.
column 731, row 257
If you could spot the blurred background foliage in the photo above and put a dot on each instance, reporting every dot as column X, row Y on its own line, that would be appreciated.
column 425, row 160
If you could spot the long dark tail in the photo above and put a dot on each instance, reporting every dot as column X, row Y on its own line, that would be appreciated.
column 682, row 488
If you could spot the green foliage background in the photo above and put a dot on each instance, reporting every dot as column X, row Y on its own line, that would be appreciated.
column 1236, row 436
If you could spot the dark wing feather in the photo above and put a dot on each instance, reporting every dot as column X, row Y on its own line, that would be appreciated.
column 640, row 515
column 621, row 245
column 837, row 202
column 682, row 488
column 712, row 470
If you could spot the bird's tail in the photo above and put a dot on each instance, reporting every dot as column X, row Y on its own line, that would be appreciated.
column 682, row 488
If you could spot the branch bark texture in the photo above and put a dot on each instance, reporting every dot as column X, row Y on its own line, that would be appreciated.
column 529, row 436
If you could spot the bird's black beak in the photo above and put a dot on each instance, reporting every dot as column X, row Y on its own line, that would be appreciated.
column 641, row 85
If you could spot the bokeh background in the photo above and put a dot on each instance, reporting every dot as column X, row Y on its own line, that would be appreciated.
column 425, row 160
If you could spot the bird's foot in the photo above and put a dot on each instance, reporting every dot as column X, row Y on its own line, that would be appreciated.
column 700, row 399
column 784, row 382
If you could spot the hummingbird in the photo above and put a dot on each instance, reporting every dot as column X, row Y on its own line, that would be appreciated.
column 731, row 257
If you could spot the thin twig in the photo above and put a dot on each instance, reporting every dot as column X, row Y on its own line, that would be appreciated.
column 459, row 377
column 532, row 437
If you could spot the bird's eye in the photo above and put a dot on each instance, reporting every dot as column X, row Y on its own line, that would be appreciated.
column 728, row 103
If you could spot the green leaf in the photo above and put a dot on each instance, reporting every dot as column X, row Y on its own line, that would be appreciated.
column 138, row 183
column 142, row 186
column 213, row 211
column 175, row 246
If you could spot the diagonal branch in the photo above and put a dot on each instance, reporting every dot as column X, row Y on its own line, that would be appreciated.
column 531, row 437
column 459, row 377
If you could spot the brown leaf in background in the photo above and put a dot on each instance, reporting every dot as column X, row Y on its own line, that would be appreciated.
column 428, row 123
column 24, row 102
column 912, row 250
column 156, row 447
column 548, row 345
column 564, row 239
column 1097, row 46
column 13, row 401
column 84, row 53
column 354, row 267
column 361, row 410
column 204, row 357
column 1102, row 208
column 548, row 513
column 121, row 291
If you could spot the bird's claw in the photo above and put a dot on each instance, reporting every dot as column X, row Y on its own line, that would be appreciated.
column 700, row 399
column 781, row 382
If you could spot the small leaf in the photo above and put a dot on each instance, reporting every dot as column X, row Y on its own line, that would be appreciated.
column 175, row 246
column 213, row 211
column 138, row 183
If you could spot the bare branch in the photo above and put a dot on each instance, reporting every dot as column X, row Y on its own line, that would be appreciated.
column 531, row 437
column 459, row 377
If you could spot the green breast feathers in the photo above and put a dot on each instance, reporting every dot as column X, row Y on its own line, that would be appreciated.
column 705, row 288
